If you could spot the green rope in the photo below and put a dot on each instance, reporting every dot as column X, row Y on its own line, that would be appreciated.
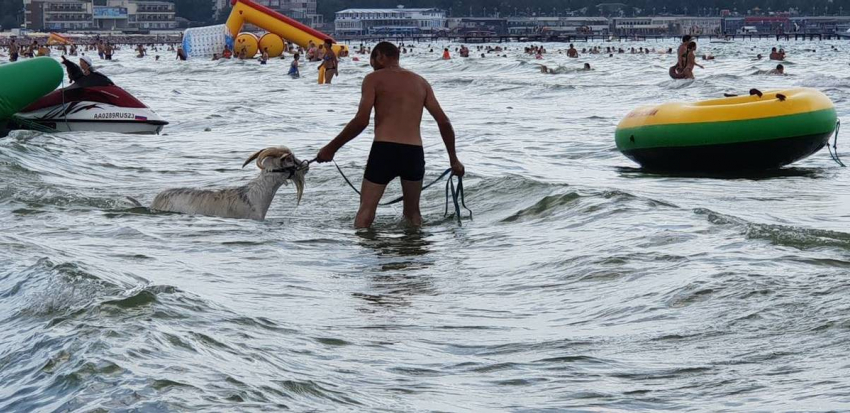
column 456, row 192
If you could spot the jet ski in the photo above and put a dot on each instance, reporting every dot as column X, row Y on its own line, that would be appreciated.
column 91, row 103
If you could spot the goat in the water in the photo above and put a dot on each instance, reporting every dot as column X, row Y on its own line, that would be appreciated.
column 277, row 167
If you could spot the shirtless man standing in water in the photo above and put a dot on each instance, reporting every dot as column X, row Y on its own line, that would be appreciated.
column 683, row 53
column 398, row 96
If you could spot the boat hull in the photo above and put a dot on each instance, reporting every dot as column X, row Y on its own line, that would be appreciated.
column 93, row 116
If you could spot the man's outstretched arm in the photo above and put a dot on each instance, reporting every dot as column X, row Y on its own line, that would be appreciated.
column 356, row 126
column 446, row 130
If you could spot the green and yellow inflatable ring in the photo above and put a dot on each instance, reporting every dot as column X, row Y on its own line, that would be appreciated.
column 760, row 131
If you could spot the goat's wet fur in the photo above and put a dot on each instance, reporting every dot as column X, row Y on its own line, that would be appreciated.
column 277, row 166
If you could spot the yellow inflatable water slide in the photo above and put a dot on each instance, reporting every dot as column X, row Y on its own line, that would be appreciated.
column 206, row 41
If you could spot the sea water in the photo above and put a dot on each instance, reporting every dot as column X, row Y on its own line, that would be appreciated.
column 581, row 282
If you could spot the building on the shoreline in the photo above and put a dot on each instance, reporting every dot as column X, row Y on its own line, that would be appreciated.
column 786, row 24
column 302, row 10
column 698, row 26
column 644, row 26
column 152, row 15
column 758, row 24
column 558, row 26
column 825, row 24
column 483, row 26
column 666, row 26
column 58, row 15
column 113, row 15
column 389, row 22
column 407, row 22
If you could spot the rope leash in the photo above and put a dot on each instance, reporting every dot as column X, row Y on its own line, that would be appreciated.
column 456, row 192
column 293, row 169
column 833, row 151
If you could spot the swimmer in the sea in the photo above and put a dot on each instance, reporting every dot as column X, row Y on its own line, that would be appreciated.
column 586, row 67
column 572, row 52
column 293, row 67
column 780, row 70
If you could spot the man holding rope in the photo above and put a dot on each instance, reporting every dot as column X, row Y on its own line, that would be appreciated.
column 398, row 96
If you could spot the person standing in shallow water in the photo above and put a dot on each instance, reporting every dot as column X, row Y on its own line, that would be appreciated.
column 691, row 61
column 682, row 54
column 329, row 61
column 399, row 97
column 13, row 51
column 293, row 67
column 774, row 55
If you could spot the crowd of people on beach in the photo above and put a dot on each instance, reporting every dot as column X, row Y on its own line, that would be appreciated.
column 25, row 47
column 323, row 53
column 105, row 48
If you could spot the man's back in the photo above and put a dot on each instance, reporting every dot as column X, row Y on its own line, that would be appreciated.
column 399, row 100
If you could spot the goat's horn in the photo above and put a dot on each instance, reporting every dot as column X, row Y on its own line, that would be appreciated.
column 254, row 156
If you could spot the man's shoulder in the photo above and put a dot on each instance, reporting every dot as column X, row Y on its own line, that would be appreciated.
column 386, row 74
column 372, row 77
column 415, row 76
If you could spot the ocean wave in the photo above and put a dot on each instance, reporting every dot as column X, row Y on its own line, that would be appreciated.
column 825, row 81
column 587, row 206
column 575, row 273
column 781, row 235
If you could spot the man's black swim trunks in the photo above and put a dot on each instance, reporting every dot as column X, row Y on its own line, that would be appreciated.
column 389, row 160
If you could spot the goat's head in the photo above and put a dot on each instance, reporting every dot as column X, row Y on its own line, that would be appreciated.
column 280, row 160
